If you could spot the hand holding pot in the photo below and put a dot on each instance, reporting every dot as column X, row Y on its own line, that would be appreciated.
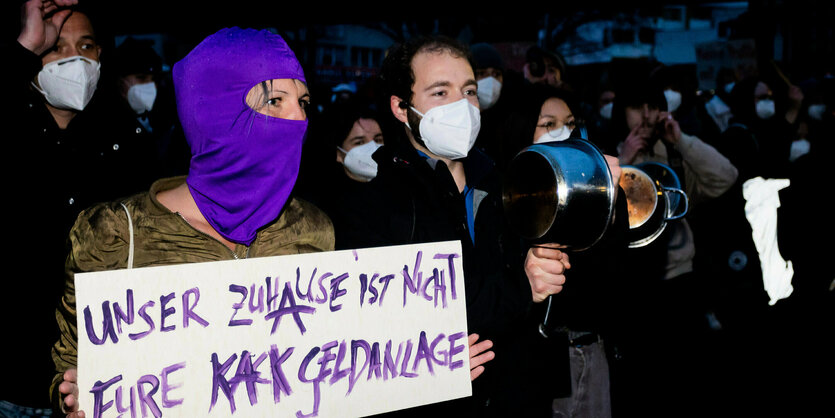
column 545, row 267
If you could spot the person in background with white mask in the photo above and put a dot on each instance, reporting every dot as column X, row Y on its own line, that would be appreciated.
column 55, row 138
column 716, row 110
column 679, row 86
column 498, row 91
column 354, row 151
column 556, row 120
column 350, row 135
column 764, row 124
column 676, row 294
column 144, row 113
column 432, row 185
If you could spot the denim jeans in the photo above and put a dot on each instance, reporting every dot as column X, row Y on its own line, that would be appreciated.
column 10, row 410
column 590, row 396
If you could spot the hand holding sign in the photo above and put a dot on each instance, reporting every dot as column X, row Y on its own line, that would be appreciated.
column 69, row 390
column 479, row 355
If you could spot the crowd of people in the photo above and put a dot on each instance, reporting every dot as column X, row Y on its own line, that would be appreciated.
column 225, row 157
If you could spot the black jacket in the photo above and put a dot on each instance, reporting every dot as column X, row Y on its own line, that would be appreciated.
column 51, row 174
column 410, row 201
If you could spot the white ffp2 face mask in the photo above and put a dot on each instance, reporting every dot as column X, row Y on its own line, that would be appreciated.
column 450, row 130
column 816, row 111
column 606, row 110
column 673, row 99
column 69, row 83
column 489, row 89
column 560, row 134
column 359, row 162
column 141, row 97
column 766, row 108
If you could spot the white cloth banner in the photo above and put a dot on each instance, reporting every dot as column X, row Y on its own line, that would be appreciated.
column 761, row 202
column 344, row 333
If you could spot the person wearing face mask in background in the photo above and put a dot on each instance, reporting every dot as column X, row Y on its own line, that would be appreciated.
column 759, row 137
column 144, row 113
column 433, row 185
column 716, row 112
column 498, row 95
column 679, row 86
column 598, row 112
column 812, row 121
column 354, row 134
column 676, row 295
column 59, row 144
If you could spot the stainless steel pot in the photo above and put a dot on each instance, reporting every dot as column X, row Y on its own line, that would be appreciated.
column 560, row 192
column 651, row 204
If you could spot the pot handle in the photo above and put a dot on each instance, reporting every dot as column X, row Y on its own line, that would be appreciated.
column 686, row 203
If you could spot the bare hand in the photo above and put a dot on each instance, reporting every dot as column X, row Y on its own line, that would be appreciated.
column 69, row 390
column 545, row 268
column 41, row 23
column 479, row 355
column 614, row 167
column 636, row 141
column 795, row 96
column 672, row 130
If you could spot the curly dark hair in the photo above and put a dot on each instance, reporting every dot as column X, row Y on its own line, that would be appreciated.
column 396, row 72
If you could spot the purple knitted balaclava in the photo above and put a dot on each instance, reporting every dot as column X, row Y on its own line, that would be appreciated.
column 243, row 164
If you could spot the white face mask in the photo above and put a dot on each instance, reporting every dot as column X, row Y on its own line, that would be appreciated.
column 489, row 89
column 606, row 110
column 141, row 97
column 69, row 83
column 799, row 148
column 729, row 87
column 450, row 130
column 560, row 134
column 765, row 108
column 359, row 162
column 816, row 111
column 673, row 99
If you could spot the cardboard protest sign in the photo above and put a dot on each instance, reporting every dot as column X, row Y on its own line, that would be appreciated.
column 739, row 55
column 344, row 333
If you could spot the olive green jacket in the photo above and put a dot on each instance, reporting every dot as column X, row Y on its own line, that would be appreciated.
column 100, row 240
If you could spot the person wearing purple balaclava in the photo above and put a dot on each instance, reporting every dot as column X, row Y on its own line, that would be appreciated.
column 241, row 98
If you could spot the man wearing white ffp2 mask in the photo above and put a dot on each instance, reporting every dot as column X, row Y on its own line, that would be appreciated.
column 488, row 67
column 59, row 147
column 70, row 63
column 137, row 65
column 425, row 191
